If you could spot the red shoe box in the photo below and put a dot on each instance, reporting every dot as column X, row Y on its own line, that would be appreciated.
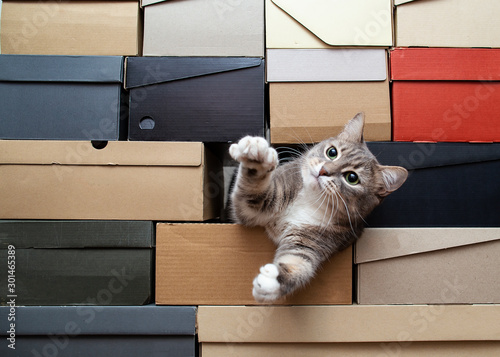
column 445, row 94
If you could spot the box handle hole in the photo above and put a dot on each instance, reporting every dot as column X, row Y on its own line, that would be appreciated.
column 147, row 123
column 99, row 145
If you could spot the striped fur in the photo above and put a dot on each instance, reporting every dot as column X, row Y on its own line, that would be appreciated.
column 307, row 205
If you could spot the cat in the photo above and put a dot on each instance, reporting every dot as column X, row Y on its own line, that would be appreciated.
column 312, row 206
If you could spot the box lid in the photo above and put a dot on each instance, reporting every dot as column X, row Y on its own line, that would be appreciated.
column 142, row 71
column 315, row 65
column 45, row 68
column 343, row 23
column 351, row 323
column 445, row 64
column 415, row 156
column 385, row 243
column 102, row 320
column 76, row 234
column 129, row 153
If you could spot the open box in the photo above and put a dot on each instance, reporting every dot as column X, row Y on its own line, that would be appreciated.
column 314, row 92
column 445, row 94
column 115, row 180
column 447, row 23
column 428, row 266
column 327, row 23
column 104, row 27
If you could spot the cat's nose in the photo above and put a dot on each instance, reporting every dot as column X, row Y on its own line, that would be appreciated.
column 323, row 172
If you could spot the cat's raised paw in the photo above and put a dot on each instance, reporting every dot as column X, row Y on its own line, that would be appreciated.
column 266, row 287
column 254, row 150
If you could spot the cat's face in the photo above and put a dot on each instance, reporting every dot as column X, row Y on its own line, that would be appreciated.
column 346, row 174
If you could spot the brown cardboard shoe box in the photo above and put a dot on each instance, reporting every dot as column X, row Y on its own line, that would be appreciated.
column 215, row 264
column 121, row 181
column 314, row 92
column 104, row 27
column 352, row 330
column 428, row 266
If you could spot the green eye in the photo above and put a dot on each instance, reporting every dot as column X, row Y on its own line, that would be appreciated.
column 351, row 178
column 332, row 153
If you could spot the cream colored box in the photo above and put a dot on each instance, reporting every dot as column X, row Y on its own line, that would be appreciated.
column 326, row 23
column 105, row 27
column 204, row 28
column 447, row 23
column 354, row 330
column 428, row 266
column 123, row 180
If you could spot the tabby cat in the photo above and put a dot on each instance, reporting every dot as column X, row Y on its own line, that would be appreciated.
column 311, row 207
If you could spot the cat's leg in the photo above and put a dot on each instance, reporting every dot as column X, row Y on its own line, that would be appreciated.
column 293, row 267
column 253, row 182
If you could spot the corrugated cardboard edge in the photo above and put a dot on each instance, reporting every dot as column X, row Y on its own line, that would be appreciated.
column 385, row 243
column 134, row 153
column 354, row 323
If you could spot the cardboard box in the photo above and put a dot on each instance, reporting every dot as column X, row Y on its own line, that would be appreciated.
column 106, row 28
column 203, row 28
column 327, row 23
column 447, row 23
column 209, row 99
column 313, row 92
column 354, row 330
column 123, row 180
column 445, row 94
column 101, row 331
column 78, row 262
column 428, row 266
column 215, row 264
column 62, row 97
column 442, row 189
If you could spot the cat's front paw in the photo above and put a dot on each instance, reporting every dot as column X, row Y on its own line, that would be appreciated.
column 254, row 150
column 266, row 287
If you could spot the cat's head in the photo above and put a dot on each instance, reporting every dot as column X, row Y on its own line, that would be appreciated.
column 347, row 174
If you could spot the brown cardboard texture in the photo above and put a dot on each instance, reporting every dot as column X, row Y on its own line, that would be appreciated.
column 314, row 92
column 122, row 180
column 71, row 27
column 347, row 324
column 358, row 349
column 447, row 23
column 428, row 266
column 314, row 111
column 215, row 264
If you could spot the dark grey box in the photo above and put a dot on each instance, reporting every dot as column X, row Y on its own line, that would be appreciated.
column 449, row 185
column 78, row 262
column 99, row 331
column 62, row 97
column 209, row 99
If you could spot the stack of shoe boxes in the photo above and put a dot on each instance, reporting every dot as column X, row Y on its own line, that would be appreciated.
column 114, row 122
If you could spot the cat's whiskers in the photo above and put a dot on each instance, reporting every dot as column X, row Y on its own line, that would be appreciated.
column 347, row 211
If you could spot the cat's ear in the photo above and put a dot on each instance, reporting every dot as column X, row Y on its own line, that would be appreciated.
column 353, row 130
column 392, row 178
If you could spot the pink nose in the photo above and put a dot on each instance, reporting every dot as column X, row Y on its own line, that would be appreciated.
column 323, row 172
